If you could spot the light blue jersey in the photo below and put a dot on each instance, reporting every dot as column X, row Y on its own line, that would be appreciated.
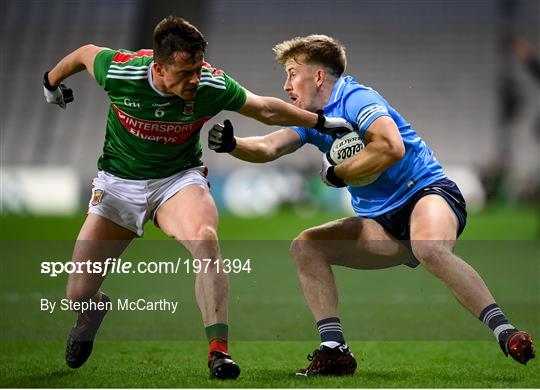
column 361, row 106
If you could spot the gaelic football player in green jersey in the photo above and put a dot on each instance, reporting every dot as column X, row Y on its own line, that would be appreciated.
column 151, row 167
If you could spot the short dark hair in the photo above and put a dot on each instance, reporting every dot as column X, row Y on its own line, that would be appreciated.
column 318, row 49
column 174, row 34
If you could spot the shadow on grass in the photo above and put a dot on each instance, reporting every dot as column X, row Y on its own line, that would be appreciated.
column 41, row 379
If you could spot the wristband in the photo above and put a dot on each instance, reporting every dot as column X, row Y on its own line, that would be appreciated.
column 321, row 120
column 334, row 179
column 47, row 84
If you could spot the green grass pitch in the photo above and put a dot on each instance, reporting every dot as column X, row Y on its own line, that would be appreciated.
column 404, row 327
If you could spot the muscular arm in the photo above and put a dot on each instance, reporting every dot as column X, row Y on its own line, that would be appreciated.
column 385, row 148
column 267, row 148
column 273, row 111
column 76, row 61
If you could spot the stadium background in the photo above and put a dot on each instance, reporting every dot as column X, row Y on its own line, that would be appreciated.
column 446, row 66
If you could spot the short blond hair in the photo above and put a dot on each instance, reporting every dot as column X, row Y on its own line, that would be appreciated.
column 314, row 49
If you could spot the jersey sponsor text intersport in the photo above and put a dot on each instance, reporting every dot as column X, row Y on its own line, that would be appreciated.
column 155, row 130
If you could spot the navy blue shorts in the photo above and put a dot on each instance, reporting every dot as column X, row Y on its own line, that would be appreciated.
column 397, row 222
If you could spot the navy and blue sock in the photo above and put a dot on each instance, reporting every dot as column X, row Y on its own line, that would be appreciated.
column 330, row 332
column 494, row 318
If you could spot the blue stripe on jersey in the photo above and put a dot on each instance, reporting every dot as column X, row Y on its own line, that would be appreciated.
column 361, row 106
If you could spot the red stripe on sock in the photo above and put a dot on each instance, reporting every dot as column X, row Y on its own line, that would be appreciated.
column 218, row 345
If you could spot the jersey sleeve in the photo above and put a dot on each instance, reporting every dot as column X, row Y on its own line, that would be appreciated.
column 363, row 108
column 311, row 136
column 102, row 62
column 301, row 132
column 235, row 95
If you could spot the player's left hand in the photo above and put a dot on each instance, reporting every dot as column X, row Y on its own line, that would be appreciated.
column 336, row 127
column 60, row 95
column 221, row 137
column 328, row 175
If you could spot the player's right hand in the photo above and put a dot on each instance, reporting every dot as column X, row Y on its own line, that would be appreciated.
column 60, row 95
column 336, row 127
column 221, row 137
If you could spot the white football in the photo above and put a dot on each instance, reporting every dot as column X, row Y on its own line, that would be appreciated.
column 346, row 147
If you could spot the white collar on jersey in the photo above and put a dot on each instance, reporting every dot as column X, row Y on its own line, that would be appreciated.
column 151, row 82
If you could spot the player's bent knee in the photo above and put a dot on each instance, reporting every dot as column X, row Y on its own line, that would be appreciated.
column 296, row 248
column 203, row 242
column 432, row 254
column 307, row 247
column 206, row 233
column 306, row 235
column 301, row 243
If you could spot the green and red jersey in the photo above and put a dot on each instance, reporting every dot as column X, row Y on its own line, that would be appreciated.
column 150, row 134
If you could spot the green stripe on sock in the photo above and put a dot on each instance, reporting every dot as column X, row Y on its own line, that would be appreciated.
column 217, row 331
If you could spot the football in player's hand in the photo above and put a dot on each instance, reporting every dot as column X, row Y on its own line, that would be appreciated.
column 346, row 147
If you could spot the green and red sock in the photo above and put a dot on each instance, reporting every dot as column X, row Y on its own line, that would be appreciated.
column 217, row 335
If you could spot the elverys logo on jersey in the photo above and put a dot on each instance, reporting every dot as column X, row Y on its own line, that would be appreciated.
column 171, row 133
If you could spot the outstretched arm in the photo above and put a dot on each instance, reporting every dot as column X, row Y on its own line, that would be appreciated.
column 253, row 149
column 54, row 90
column 268, row 147
column 76, row 61
column 276, row 112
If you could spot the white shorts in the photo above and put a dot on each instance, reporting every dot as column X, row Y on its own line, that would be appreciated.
column 131, row 203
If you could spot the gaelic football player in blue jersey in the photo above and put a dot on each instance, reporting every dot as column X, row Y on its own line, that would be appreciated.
column 411, row 214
